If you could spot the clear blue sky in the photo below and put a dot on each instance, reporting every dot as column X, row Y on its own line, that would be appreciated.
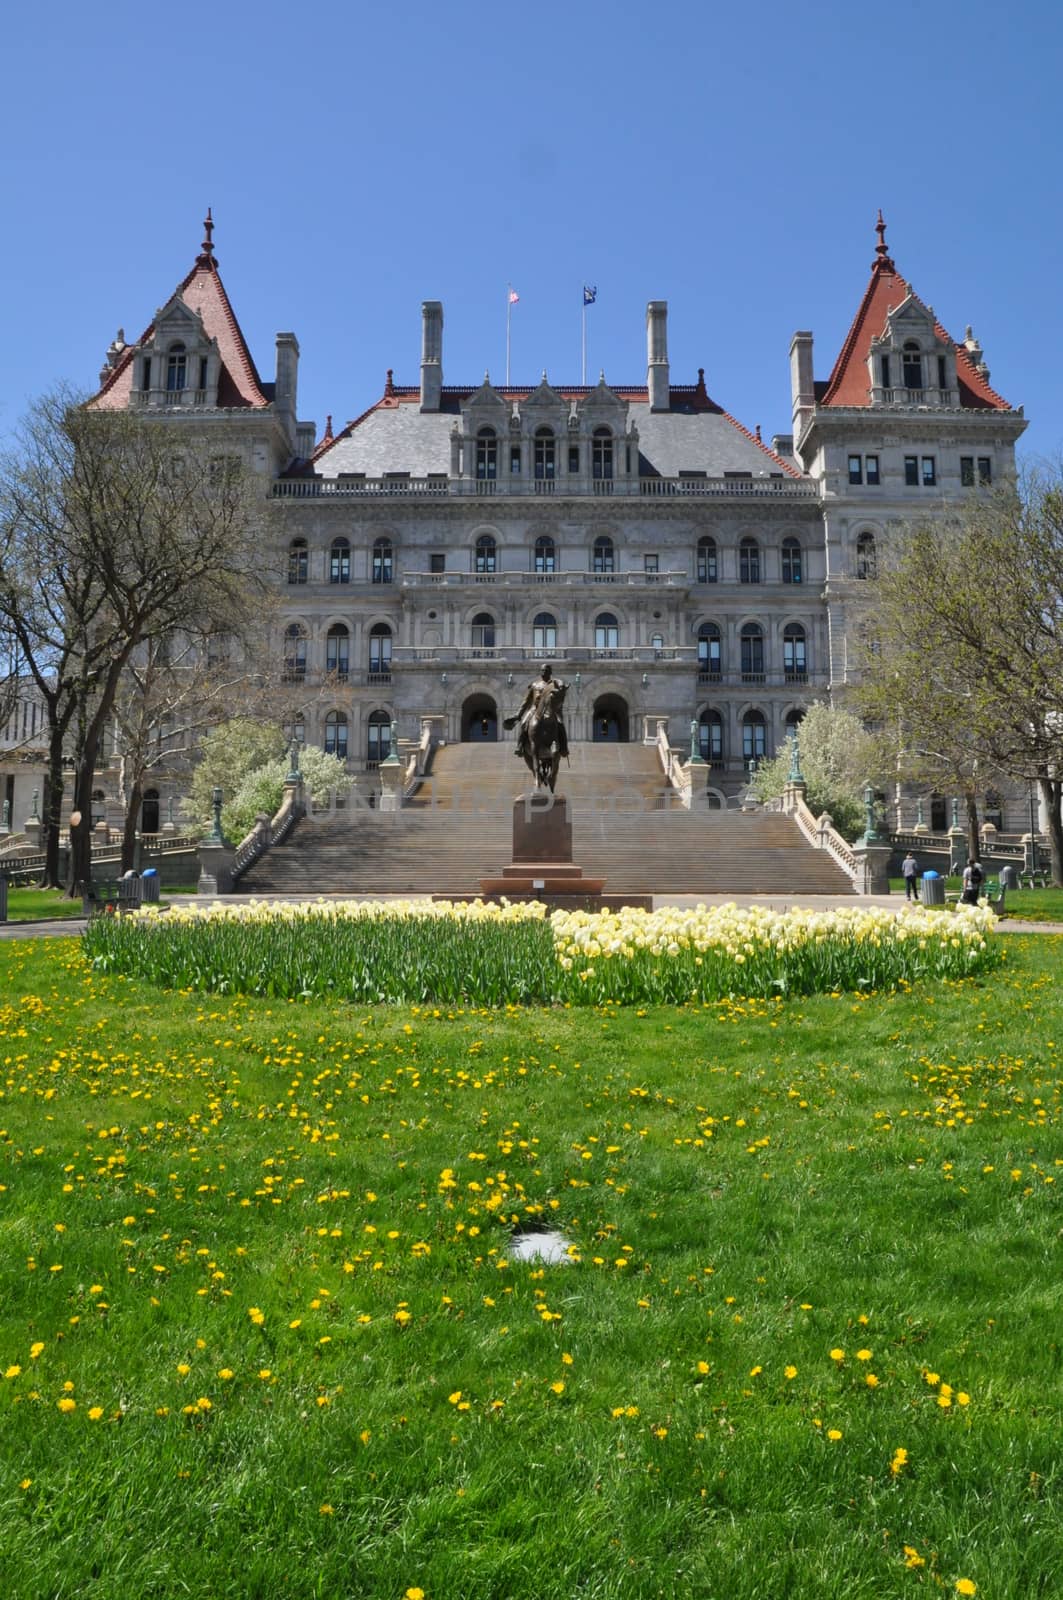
column 363, row 157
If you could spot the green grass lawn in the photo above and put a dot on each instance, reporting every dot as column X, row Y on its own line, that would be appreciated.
column 49, row 905
column 262, row 1333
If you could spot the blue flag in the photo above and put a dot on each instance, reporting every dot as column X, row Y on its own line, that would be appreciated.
column 590, row 294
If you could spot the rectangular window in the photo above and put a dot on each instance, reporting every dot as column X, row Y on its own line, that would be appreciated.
column 856, row 469
column 871, row 469
column 930, row 476
column 652, row 563
column 967, row 471
column 514, row 460
column 941, row 373
column 202, row 372
column 911, row 471
column 573, row 458
column 885, row 372
column 146, row 379
column 985, row 469
column 437, row 561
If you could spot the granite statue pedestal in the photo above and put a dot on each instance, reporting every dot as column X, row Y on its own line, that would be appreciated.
column 542, row 867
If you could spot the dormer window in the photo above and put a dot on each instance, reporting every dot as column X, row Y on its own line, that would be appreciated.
column 603, row 453
column 912, row 366
column 145, row 377
column 486, row 455
column 176, row 369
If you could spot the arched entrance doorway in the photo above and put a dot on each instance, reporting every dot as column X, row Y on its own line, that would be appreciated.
column 479, row 720
column 610, row 720
column 149, row 811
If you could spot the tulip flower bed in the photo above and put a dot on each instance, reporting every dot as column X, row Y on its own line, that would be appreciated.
column 515, row 954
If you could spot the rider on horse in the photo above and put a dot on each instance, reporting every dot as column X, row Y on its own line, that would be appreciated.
column 542, row 689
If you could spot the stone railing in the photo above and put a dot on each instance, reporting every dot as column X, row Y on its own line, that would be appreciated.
column 678, row 772
column 420, row 755
column 522, row 579
column 440, row 486
column 269, row 831
column 819, row 831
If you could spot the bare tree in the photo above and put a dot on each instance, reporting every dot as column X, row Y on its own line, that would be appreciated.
column 113, row 534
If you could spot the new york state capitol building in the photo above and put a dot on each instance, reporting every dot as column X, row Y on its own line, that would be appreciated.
column 669, row 562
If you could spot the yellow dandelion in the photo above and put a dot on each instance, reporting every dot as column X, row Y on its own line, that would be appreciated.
column 558, row 1387
column 95, row 1413
column 790, row 1372
column 834, row 1433
column 66, row 1405
column 966, row 1586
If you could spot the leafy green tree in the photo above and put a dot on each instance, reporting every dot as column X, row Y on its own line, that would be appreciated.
column 839, row 757
column 965, row 658
column 228, row 755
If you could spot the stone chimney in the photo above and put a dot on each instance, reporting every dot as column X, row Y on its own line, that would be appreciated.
column 802, row 386
column 431, row 354
column 657, row 376
column 287, row 374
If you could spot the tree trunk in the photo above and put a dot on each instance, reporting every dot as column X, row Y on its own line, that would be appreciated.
column 52, row 809
column 133, row 797
column 974, row 839
column 1052, row 795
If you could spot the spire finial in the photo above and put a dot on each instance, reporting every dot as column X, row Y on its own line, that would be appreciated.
column 206, row 249
column 389, row 384
column 328, row 429
column 882, row 261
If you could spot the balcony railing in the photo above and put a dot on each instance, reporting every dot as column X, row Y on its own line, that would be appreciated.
column 517, row 580
column 438, row 485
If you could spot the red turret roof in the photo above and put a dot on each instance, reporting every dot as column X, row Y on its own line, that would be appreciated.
column 203, row 292
column 849, row 383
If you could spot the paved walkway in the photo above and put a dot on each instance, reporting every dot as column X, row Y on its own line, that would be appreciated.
column 1011, row 923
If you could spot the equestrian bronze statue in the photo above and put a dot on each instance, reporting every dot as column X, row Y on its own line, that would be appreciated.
column 541, row 736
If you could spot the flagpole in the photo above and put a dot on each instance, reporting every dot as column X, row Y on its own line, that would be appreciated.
column 509, row 313
column 583, row 340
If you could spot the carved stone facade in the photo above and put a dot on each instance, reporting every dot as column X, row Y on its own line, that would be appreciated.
column 671, row 564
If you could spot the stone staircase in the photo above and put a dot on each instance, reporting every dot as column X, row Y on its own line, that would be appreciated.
column 626, row 828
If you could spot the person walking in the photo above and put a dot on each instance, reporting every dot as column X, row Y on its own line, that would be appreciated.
column 973, row 878
column 910, row 874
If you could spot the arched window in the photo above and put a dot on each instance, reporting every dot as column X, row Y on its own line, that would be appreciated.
column 912, row 365
column 710, row 736
column 294, row 653
column 794, row 720
column 754, row 737
column 296, row 728
column 339, row 561
column 338, row 651
column 380, row 653
column 606, row 632
column 602, row 453
column 486, row 455
column 483, row 634
column 298, row 561
column 752, row 642
column 603, row 555
column 866, row 556
column 545, row 454
column 485, row 556
column 749, row 561
column 794, row 660
column 710, row 653
column 792, row 568
column 545, row 557
column 176, row 369
column 382, row 561
column 544, row 633
column 708, row 571
column 378, row 742
column 336, row 734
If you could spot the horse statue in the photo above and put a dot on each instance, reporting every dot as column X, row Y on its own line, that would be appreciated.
column 542, row 740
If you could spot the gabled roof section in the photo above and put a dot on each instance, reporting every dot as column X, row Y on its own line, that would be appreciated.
column 849, row 383
column 203, row 293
